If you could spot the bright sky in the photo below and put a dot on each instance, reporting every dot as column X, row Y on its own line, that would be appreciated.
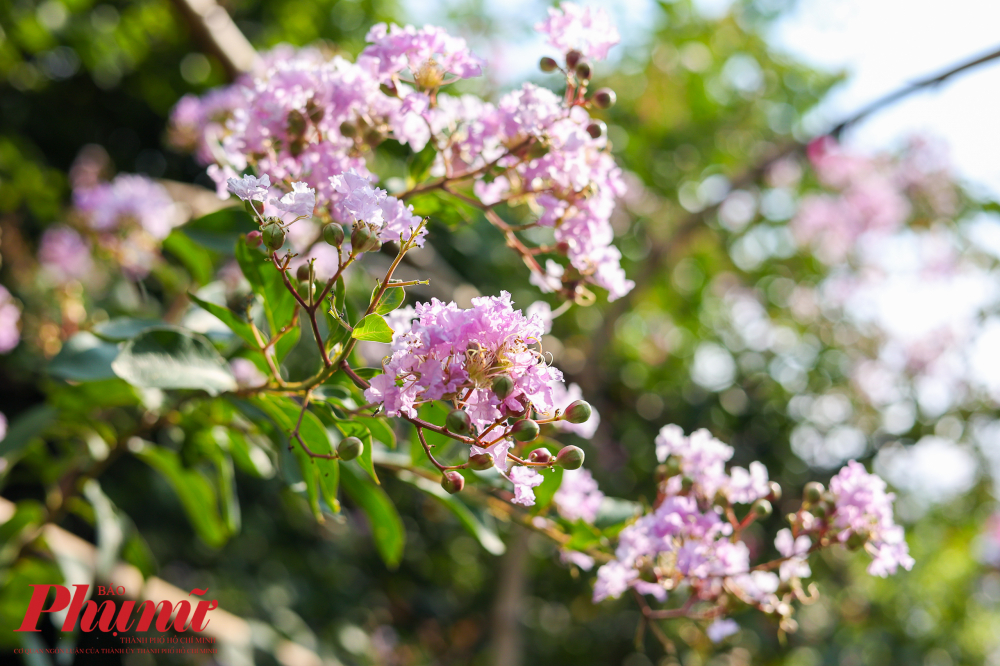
column 884, row 44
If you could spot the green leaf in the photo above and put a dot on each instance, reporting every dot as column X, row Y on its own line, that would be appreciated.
column 26, row 427
column 110, row 534
column 172, row 358
column 27, row 515
column 614, row 511
column 229, row 318
column 196, row 493
column 380, row 430
column 138, row 553
column 486, row 537
column 124, row 328
column 340, row 298
column 373, row 328
column 84, row 358
column 220, row 231
column 548, row 488
column 386, row 525
column 450, row 210
column 391, row 299
column 196, row 259
column 420, row 163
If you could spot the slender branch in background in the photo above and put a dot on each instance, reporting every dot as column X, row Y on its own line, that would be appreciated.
column 660, row 253
column 215, row 30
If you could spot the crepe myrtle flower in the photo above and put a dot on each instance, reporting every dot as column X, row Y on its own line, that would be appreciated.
column 586, row 30
column 429, row 53
column 485, row 359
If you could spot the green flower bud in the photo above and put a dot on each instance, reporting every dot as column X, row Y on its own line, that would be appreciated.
column 458, row 422
column 453, row 482
column 579, row 411
column 857, row 540
column 548, row 64
column 673, row 466
column 361, row 238
column 570, row 457
column 572, row 58
column 537, row 150
column 540, row 456
column 524, row 430
column 480, row 461
column 604, row 98
column 762, row 508
column 274, row 236
column 503, row 385
column 348, row 130
column 302, row 273
column 813, row 492
column 687, row 483
column 583, row 71
column 350, row 448
column 254, row 208
column 333, row 234
column 254, row 239
column 389, row 89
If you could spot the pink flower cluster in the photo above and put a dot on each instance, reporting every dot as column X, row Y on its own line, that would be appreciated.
column 549, row 158
column 64, row 256
column 303, row 116
column 864, row 508
column 872, row 195
column 428, row 53
column 453, row 354
column 362, row 202
column 702, row 459
column 583, row 29
column 131, row 215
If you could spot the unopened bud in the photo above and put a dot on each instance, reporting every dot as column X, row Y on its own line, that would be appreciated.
column 453, row 482
column 333, row 234
column 302, row 273
column 570, row 457
column 572, row 58
column 540, row 456
column 775, row 493
column 813, row 492
column 503, row 385
column 254, row 239
column 296, row 123
column 538, row 150
column 349, row 130
column 480, row 461
column 673, row 466
column 361, row 238
column 579, row 411
column 524, row 430
column 762, row 508
column 458, row 422
column 254, row 208
column 548, row 64
column 604, row 98
column 596, row 129
column 856, row 540
column 315, row 111
column 350, row 448
column 274, row 236
column 687, row 483
column 583, row 71
column 389, row 89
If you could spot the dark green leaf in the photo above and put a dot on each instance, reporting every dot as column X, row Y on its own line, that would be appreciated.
column 173, row 359
column 380, row 430
column 84, row 358
column 614, row 511
column 266, row 281
column 386, row 525
column 26, row 427
column 194, row 490
column 420, row 163
column 195, row 258
column 547, row 490
column 391, row 299
column 124, row 328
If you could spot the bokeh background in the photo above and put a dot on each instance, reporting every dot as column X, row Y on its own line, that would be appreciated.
column 799, row 357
